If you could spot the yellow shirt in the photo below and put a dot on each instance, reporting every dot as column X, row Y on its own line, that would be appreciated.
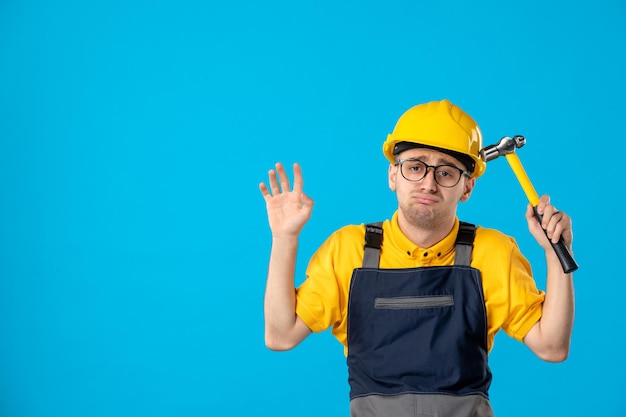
column 512, row 300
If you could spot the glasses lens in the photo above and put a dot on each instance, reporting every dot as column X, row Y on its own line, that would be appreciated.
column 413, row 170
column 447, row 176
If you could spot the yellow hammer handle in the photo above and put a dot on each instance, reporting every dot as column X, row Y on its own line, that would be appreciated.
column 522, row 177
column 565, row 257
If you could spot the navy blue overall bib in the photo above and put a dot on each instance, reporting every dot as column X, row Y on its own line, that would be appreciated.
column 417, row 337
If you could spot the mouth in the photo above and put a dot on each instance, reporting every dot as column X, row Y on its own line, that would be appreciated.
column 425, row 199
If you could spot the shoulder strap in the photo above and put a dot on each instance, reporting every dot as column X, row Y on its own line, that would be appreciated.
column 374, row 239
column 464, row 244
column 373, row 242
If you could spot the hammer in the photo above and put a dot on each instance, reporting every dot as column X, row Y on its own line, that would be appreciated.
column 507, row 147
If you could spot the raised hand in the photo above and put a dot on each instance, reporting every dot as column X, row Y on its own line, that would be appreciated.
column 555, row 223
column 287, row 210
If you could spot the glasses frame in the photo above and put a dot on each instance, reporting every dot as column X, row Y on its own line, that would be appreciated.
column 434, row 167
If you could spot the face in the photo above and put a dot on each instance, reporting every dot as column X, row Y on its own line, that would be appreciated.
column 426, row 204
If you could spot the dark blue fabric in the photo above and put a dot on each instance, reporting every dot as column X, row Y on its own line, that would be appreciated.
column 420, row 350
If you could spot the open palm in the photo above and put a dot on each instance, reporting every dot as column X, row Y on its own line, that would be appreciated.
column 287, row 210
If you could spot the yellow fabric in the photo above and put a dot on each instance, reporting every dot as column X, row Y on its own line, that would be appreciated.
column 512, row 300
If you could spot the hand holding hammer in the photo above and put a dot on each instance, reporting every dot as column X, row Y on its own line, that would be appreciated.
column 507, row 147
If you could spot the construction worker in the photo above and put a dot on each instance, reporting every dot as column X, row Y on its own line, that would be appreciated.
column 417, row 300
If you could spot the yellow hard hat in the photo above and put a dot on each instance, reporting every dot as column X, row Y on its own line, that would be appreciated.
column 440, row 125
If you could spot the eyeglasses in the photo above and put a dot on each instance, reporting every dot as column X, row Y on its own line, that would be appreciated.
column 415, row 170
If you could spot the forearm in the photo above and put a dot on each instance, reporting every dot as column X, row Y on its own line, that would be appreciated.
column 552, row 334
column 282, row 330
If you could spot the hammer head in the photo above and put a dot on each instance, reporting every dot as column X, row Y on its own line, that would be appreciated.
column 505, row 146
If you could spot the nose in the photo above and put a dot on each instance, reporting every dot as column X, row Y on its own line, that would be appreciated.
column 429, row 182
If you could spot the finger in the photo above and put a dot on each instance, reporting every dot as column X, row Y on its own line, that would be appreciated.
column 559, row 223
column 298, row 182
column 274, row 186
column 529, row 210
column 550, row 216
column 264, row 191
column 543, row 202
column 553, row 231
column 307, row 201
column 282, row 176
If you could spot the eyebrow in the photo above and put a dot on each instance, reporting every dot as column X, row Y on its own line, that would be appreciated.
column 439, row 161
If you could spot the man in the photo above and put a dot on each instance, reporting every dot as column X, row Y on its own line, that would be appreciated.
column 417, row 300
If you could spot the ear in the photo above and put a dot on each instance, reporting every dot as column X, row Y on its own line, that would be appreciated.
column 467, row 191
column 391, row 176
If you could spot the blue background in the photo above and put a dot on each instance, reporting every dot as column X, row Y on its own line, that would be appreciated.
column 133, row 238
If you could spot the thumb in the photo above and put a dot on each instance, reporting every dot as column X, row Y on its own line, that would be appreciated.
column 307, row 201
